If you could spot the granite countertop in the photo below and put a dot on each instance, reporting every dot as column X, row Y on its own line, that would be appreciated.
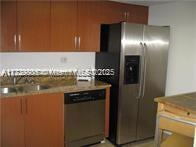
column 184, row 101
column 75, row 86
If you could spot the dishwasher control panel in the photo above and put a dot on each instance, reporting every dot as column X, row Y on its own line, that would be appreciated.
column 84, row 96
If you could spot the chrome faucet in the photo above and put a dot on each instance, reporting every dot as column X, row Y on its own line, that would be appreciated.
column 16, row 79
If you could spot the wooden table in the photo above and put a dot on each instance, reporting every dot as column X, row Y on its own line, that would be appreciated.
column 176, row 114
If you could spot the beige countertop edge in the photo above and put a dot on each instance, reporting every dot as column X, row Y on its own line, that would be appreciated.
column 64, row 89
column 166, row 98
column 171, row 101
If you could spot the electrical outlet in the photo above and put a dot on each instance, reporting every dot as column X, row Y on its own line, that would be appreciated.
column 63, row 59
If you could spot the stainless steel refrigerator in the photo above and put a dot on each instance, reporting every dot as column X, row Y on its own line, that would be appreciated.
column 138, row 54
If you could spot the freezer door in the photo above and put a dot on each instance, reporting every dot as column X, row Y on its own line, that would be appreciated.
column 129, row 82
column 155, row 45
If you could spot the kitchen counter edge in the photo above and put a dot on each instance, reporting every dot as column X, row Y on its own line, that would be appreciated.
column 80, row 86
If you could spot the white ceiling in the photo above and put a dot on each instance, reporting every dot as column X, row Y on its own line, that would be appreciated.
column 149, row 2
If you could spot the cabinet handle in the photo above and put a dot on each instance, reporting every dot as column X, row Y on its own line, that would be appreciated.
column 75, row 42
column 19, row 41
column 26, row 103
column 21, row 109
column 79, row 42
column 15, row 40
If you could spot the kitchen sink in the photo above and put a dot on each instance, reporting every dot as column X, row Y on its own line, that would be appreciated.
column 6, row 90
column 36, row 87
column 22, row 89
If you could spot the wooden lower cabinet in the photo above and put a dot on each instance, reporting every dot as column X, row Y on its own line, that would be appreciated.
column 33, row 121
column 12, row 122
column 44, row 123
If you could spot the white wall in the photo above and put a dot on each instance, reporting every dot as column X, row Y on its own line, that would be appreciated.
column 52, row 60
column 181, row 17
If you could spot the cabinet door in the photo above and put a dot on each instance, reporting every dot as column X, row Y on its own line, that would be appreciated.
column 89, row 25
column 33, row 26
column 137, row 14
column 44, row 120
column 12, row 122
column 63, row 25
column 112, row 12
column 8, row 26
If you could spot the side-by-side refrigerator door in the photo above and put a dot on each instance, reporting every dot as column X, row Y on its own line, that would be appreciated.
column 129, row 82
column 155, row 46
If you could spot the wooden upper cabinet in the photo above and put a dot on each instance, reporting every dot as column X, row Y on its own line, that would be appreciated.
column 112, row 12
column 8, row 28
column 12, row 122
column 89, row 26
column 44, row 120
column 33, row 26
column 64, row 26
column 137, row 14
column 61, row 25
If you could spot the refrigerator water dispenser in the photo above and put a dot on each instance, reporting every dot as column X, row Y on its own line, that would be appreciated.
column 132, row 66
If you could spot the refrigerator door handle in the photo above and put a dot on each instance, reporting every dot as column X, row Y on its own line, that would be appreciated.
column 144, row 68
column 141, row 73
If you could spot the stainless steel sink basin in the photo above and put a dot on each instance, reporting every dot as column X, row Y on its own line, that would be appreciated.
column 36, row 87
column 6, row 90
column 21, row 89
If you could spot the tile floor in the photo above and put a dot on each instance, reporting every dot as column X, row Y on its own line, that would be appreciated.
column 147, row 143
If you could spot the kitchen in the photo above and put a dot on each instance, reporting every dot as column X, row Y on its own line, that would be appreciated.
column 36, row 36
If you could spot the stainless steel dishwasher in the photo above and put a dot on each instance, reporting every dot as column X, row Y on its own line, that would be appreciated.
column 84, row 117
